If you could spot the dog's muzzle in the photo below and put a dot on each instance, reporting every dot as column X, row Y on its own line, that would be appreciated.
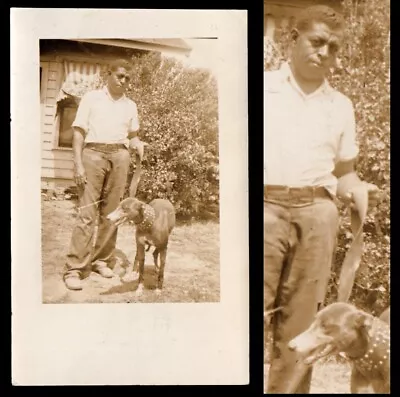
column 117, row 217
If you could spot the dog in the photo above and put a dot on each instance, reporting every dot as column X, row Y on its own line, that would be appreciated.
column 154, row 223
column 363, row 338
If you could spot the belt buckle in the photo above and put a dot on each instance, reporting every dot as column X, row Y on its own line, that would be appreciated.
column 304, row 195
column 110, row 147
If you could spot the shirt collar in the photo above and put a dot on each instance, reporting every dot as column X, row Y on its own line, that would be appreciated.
column 105, row 89
column 287, row 75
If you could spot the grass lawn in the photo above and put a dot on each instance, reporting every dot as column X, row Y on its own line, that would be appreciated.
column 192, row 271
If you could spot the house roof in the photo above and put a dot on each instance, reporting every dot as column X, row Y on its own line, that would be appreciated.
column 162, row 45
column 174, row 43
column 296, row 4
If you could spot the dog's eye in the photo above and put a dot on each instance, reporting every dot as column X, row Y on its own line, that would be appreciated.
column 321, row 323
column 327, row 327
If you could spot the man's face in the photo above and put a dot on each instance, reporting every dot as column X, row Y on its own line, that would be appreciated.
column 315, row 50
column 118, row 80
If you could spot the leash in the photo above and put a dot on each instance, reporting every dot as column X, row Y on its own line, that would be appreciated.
column 352, row 260
column 272, row 311
column 136, row 177
column 351, row 263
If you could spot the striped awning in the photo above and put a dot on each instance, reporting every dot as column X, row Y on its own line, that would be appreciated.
column 79, row 77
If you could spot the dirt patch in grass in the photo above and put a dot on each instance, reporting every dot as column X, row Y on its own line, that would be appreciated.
column 192, row 272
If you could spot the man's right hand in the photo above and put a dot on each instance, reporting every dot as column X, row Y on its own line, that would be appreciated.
column 80, row 175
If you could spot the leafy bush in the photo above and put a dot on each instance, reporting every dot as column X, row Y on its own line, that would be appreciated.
column 363, row 75
column 178, row 111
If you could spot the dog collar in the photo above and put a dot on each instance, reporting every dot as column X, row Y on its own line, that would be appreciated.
column 378, row 354
column 148, row 218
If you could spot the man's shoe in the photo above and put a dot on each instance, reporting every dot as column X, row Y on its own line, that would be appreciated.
column 105, row 272
column 73, row 282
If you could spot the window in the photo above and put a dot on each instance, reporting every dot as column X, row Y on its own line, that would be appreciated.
column 78, row 78
column 67, row 116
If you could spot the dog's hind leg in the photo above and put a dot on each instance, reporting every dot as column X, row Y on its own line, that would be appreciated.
column 359, row 384
column 155, row 256
column 160, row 281
column 140, row 254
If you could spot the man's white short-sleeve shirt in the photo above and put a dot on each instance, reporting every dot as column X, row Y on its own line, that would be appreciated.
column 106, row 120
column 305, row 135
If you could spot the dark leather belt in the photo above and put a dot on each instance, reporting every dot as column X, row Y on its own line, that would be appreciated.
column 294, row 194
column 105, row 147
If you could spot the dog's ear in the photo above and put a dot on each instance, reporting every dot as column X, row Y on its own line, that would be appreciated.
column 132, row 205
column 361, row 320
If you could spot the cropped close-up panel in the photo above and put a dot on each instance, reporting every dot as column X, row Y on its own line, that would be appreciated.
column 326, row 196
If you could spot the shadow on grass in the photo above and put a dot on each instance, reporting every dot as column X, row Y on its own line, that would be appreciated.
column 149, row 283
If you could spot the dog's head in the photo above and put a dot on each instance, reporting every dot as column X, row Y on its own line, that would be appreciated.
column 130, row 209
column 339, row 327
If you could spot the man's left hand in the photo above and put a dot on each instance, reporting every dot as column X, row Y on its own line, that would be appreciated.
column 374, row 196
column 138, row 145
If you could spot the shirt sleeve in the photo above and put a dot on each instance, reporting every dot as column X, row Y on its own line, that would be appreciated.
column 82, row 114
column 134, row 122
column 348, row 145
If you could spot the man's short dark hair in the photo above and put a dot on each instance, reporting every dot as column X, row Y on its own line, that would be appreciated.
column 120, row 63
column 319, row 13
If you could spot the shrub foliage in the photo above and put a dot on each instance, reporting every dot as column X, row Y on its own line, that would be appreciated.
column 178, row 110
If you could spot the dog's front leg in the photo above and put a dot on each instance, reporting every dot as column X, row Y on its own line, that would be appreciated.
column 163, row 257
column 359, row 384
column 140, row 254
column 131, row 273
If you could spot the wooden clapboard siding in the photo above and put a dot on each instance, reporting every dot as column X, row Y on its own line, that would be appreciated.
column 58, row 173
column 55, row 154
column 56, row 163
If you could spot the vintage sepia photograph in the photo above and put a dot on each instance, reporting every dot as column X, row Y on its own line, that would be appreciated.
column 130, row 170
column 129, row 197
column 326, row 197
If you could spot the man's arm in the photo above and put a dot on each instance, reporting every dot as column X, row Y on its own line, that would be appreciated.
column 133, row 134
column 347, row 177
column 78, row 141
column 134, row 141
column 349, row 183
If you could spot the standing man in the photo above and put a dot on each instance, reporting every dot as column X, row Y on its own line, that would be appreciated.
column 309, row 154
column 105, row 127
